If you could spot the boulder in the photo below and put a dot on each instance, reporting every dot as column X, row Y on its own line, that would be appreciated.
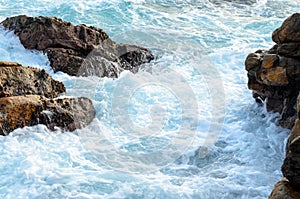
column 68, row 45
column 18, row 80
column 274, row 74
column 68, row 113
column 289, row 31
column 274, row 77
column 29, row 96
column 283, row 190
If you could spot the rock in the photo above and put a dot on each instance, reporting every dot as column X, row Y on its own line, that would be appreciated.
column 283, row 190
column 6, row 63
column 242, row 2
column 28, row 96
column 18, row 80
column 289, row 30
column 19, row 111
column 291, row 164
column 289, row 50
column 274, row 77
column 68, row 114
column 274, row 74
column 68, row 45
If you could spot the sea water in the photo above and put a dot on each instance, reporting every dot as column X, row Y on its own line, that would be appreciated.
column 184, row 126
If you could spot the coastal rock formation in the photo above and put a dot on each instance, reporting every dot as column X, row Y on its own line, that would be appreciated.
column 274, row 77
column 67, row 46
column 68, row 113
column 28, row 97
column 283, row 190
column 17, row 80
column 291, row 164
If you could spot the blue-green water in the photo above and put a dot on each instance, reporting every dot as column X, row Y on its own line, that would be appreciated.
column 183, row 127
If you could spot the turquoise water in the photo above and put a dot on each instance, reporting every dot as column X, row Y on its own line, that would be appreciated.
column 185, row 126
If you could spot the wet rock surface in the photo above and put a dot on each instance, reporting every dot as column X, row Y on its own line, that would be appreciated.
column 19, row 80
column 28, row 96
column 68, row 45
column 274, row 74
column 283, row 190
column 274, row 77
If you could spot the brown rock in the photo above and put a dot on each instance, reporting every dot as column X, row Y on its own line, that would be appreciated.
column 68, row 114
column 289, row 113
column 289, row 50
column 275, row 76
column 295, row 132
column 65, row 60
column 291, row 164
column 289, row 30
column 269, row 61
column 24, row 101
column 253, row 60
column 19, row 80
column 283, row 190
column 6, row 63
column 67, row 45
column 19, row 111
column 41, row 33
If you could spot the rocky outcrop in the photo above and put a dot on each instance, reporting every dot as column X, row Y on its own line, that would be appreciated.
column 17, row 80
column 291, row 164
column 283, row 190
column 69, row 113
column 274, row 77
column 28, row 96
column 68, row 45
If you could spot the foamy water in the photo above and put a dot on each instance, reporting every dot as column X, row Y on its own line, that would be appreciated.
column 185, row 126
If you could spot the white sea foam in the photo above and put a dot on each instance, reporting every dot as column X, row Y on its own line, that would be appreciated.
column 243, row 161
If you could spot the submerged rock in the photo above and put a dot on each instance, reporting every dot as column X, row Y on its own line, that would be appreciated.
column 28, row 96
column 67, row 46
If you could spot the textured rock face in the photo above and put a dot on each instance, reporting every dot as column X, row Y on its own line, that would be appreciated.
column 67, row 45
column 18, row 80
column 68, row 114
column 289, row 30
column 28, row 97
column 274, row 75
column 291, row 164
column 283, row 190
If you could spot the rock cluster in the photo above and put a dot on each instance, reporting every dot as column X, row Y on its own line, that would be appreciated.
column 67, row 46
column 274, row 74
column 29, row 96
column 274, row 77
